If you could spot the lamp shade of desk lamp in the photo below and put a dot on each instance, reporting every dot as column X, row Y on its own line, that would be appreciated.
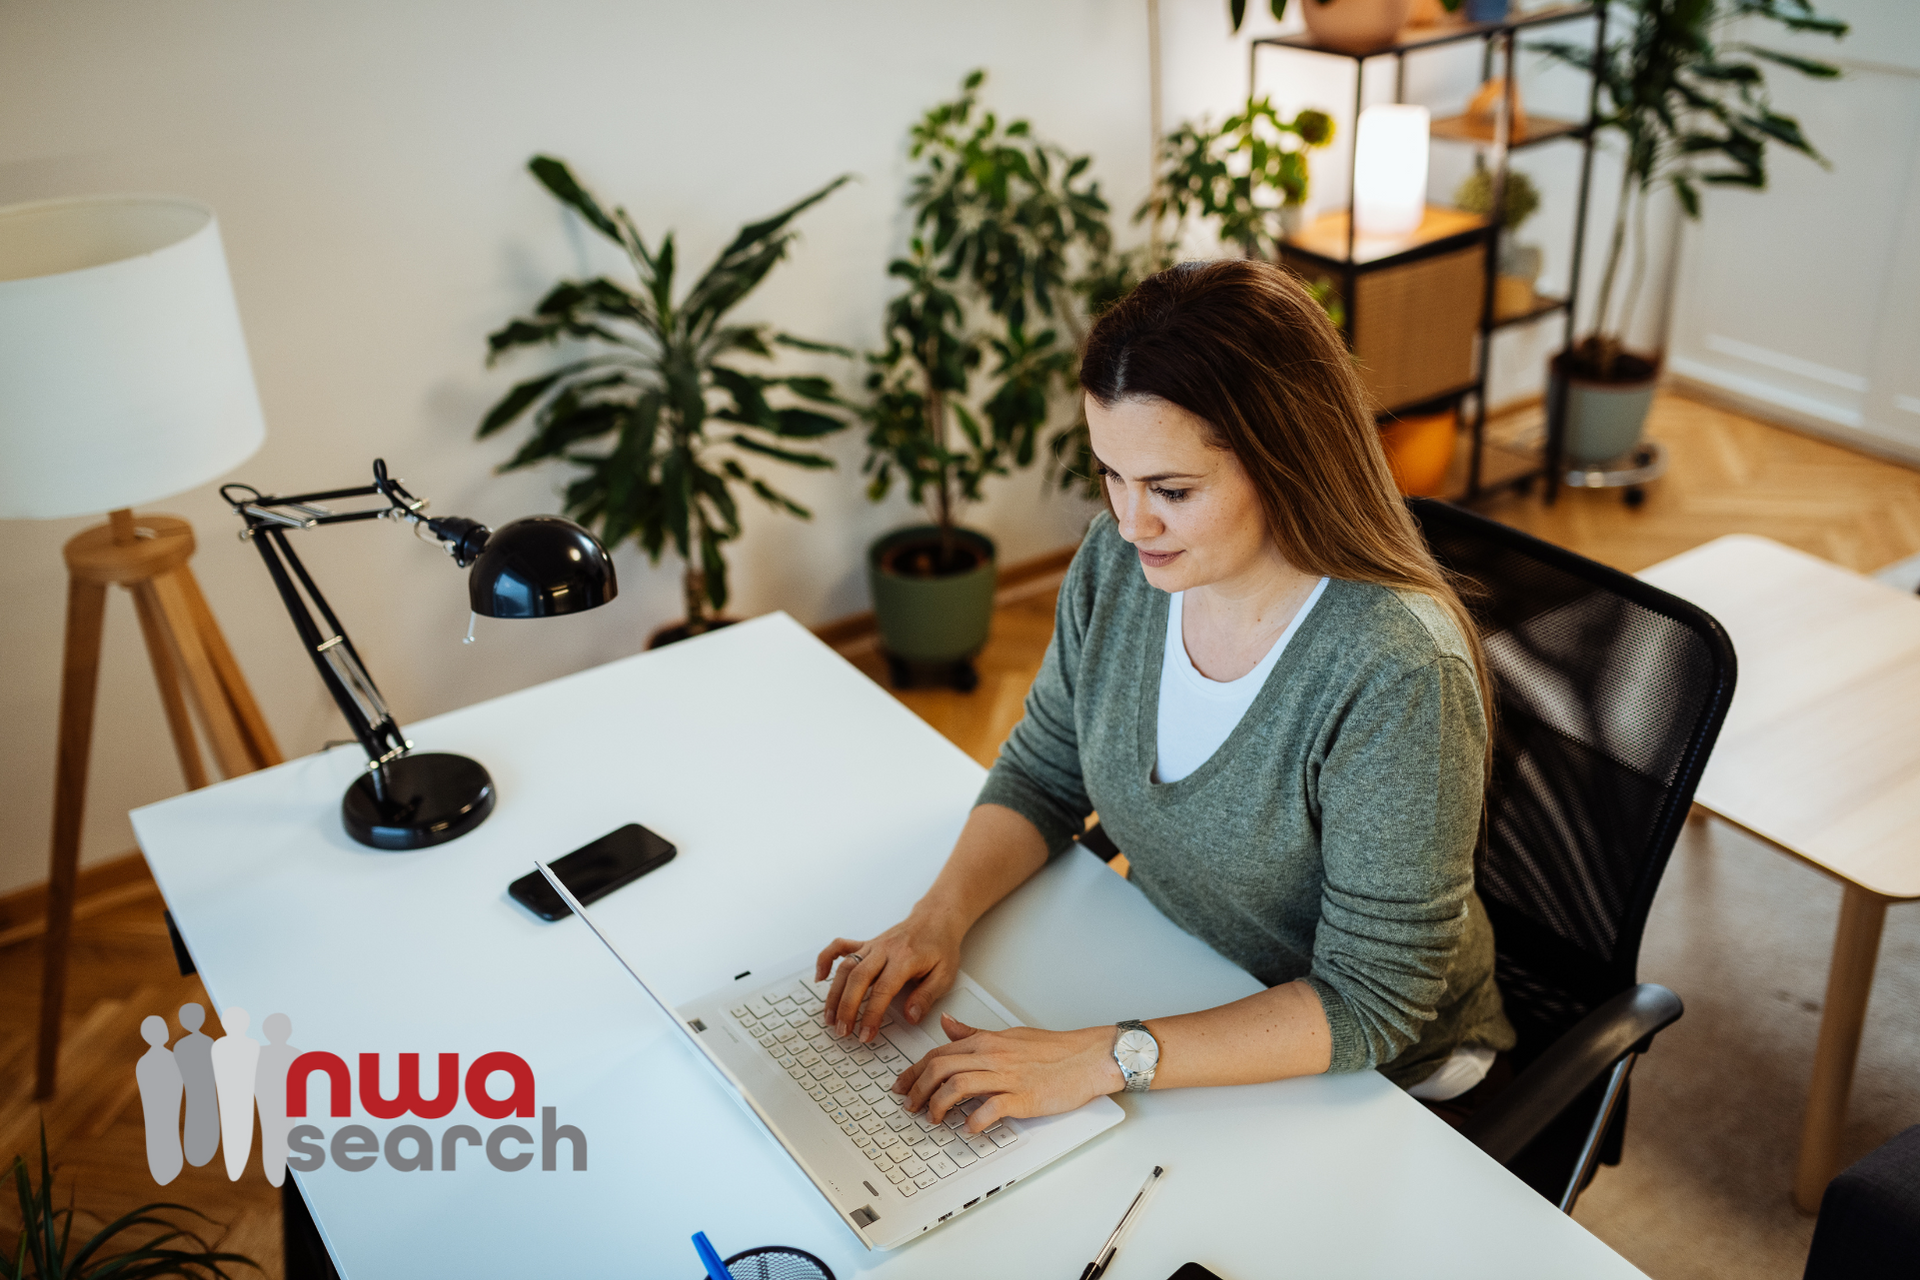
column 123, row 379
column 1390, row 170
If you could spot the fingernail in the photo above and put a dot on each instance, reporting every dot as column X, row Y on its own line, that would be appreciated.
column 913, row 1011
column 840, row 1028
column 866, row 1035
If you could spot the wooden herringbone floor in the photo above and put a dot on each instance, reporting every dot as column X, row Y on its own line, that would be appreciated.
column 1729, row 474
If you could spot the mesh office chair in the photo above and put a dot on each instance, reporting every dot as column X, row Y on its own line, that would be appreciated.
column 1609, row 694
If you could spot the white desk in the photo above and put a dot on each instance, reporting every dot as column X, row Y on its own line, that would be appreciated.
column 805, row 802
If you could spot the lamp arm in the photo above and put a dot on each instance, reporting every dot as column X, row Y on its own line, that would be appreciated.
column 333, row 654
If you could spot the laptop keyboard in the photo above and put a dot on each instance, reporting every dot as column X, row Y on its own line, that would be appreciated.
column 851, row 1082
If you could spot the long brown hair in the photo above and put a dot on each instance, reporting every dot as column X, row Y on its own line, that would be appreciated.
column 1241, row 345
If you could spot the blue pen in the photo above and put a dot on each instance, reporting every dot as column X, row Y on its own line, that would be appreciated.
column 716, row 1269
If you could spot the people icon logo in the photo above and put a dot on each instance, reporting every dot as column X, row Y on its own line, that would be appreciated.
column 220, row 1084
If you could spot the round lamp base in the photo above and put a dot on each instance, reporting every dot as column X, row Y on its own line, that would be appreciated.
column 430, row 799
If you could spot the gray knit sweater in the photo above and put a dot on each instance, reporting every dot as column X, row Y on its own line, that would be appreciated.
column 1329, row 838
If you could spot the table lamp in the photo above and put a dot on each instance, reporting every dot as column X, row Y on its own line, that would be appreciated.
column 537, row 567
column 123, row 380
column 1390, row 170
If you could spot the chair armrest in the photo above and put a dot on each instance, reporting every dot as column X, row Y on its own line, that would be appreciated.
column 1625, row 1024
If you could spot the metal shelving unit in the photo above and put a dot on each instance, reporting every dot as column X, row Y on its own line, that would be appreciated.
column 1330, row 243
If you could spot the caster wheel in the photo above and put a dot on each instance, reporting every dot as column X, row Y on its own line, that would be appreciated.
column 899, row 672
column 963, row 677
column 1634, row 497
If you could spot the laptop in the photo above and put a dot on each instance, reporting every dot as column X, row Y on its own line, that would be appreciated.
column 890, row 1175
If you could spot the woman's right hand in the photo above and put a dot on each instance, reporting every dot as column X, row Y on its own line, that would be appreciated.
column 920, row 956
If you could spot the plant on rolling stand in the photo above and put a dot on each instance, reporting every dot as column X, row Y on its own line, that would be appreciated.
column 1001, row 222
column 663, row 376
column 1690, row 108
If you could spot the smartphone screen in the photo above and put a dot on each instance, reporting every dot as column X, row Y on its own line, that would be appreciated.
column 595, row 870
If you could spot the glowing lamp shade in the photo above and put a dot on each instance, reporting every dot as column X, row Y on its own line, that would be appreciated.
column 1390, row 170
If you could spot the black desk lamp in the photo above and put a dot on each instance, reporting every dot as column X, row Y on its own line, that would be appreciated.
column 538, row 567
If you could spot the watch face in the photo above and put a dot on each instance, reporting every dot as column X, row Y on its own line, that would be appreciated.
column 1136, row 1051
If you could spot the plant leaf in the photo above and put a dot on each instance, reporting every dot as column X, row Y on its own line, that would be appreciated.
column 557, row 178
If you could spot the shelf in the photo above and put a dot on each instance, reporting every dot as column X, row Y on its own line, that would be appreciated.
column 1500, row 466
column 1429, row 37
column 1479, row 132
column 1542, row 306
column 1326, row 238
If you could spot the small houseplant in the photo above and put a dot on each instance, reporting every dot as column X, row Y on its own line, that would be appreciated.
column 681, row 417
column 1003, row 226
column 1348, row 24
column 1520, row 264
column 1249, row 175
column 46, row 1250
column 1690, row 108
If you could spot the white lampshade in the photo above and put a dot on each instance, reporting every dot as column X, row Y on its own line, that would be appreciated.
column 123, row 372
column 1390, row 170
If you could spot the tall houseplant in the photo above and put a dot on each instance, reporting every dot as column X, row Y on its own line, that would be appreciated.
column 1004, row 226
column 681, row 418
column 1690, row 108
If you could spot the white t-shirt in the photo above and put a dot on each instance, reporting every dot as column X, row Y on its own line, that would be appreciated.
column 1197, row 715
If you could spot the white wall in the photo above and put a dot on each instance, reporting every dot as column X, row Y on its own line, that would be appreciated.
column 1804, row 300
column 366, row 161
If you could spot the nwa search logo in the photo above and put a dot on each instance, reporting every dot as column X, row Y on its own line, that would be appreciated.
column 201, row 1094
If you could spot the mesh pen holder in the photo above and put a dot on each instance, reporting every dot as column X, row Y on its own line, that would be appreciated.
column 777, row 1262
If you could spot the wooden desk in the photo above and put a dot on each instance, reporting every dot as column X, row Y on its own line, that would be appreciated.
column 805, row 801
column 1820, row 757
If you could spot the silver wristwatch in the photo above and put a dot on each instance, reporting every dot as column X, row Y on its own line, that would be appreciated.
column 1137, row 1053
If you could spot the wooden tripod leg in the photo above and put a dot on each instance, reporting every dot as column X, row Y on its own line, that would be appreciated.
column 167, row 676
column 1856, row 946
column 253, row 726
column 79, row 678
column 203, row 683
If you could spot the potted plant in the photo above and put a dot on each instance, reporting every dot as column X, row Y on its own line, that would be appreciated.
column 1520, row 264
column 1249, row 175
column 1690, row 108
column 1350, row 24
column 45, row 1250
column 664, row 371
column 961, row 390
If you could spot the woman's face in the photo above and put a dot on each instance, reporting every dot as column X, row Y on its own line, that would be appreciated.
column 1189, row 509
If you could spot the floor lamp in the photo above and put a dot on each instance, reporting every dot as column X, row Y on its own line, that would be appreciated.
column 123, row 380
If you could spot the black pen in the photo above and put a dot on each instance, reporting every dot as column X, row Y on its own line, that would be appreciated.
column 1104, row 1258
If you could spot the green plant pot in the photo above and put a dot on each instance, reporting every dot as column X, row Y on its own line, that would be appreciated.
column 1605, row 417
column 929, row 619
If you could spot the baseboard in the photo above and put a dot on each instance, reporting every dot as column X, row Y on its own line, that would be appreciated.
column 859, row 632
column 1701, row 382
column 23, row 913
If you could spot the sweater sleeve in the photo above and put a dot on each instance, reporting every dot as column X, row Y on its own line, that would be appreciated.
column 1038, row 774
column 1399, row 794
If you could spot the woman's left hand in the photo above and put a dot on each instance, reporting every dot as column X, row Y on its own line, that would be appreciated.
column 1020, row 1072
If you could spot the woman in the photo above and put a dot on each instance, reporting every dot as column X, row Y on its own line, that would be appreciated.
column 1264, row 685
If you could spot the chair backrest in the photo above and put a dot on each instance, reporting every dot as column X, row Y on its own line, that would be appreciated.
column 1608, row 695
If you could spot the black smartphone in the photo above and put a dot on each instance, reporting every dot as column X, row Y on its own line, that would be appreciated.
column 593, row 871
column 1193, row 1271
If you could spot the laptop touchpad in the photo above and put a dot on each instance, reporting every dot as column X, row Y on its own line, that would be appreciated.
column 967, row 1007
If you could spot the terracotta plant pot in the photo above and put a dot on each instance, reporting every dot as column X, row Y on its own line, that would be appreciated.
column 1419, row 450
column 1605, row 416
column 1356, row 24
column 929, row 613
